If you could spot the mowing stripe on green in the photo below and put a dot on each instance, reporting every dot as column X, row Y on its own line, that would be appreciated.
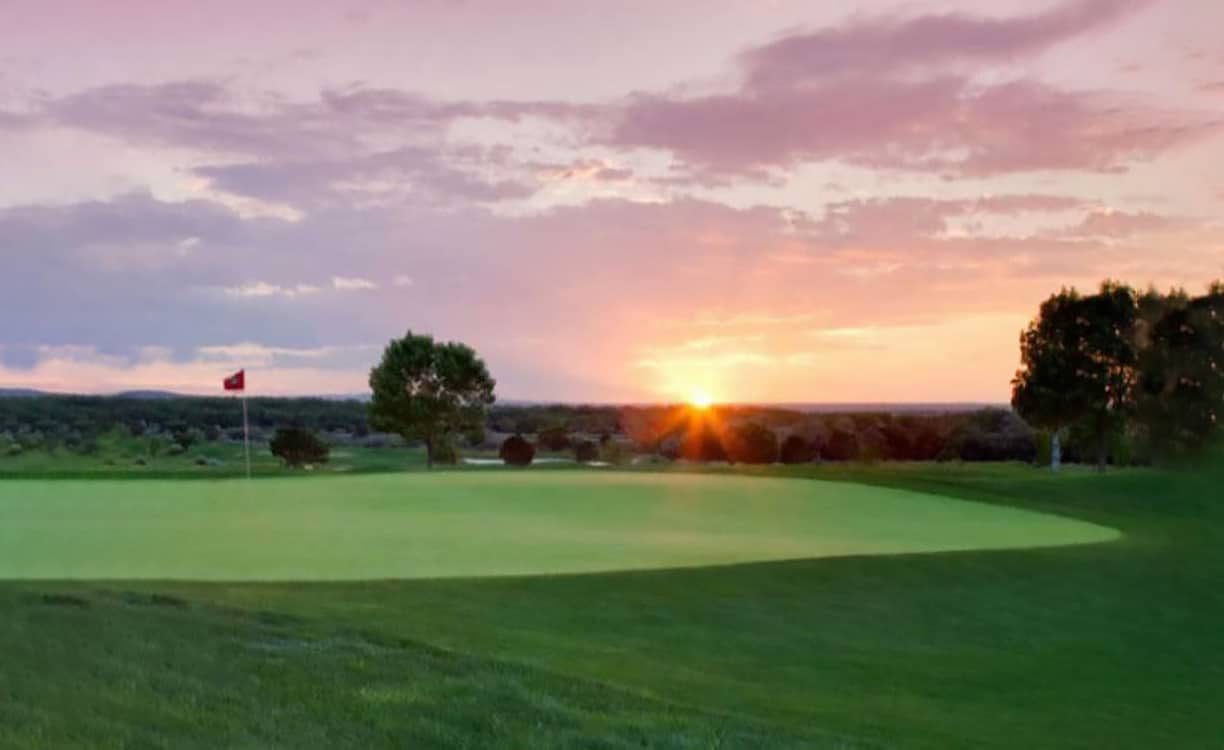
column 480, row 524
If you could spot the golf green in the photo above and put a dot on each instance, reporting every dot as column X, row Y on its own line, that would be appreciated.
column 479, row 524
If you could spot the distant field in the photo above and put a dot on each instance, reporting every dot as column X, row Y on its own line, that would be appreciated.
column 469, row 523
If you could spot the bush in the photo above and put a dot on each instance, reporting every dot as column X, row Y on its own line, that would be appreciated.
column 796, row 450
column 750, row 443
column 298, row 447
column 586, row 452
column 516, row 451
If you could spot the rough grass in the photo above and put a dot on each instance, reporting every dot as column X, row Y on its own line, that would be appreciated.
column 1112, row 645
column 471, row 524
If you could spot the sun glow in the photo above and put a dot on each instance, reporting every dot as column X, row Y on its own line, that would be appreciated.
column 699, row 398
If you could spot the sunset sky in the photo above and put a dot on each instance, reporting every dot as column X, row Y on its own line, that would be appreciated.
column 764, row 200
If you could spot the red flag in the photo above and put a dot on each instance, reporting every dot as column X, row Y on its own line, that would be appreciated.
column 235, row 382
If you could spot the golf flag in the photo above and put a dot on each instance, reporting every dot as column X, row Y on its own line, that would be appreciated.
column 237, row 382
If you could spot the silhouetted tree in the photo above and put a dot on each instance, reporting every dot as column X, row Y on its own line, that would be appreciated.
column 751, row 443
column 427, row 391
column 1078, row 365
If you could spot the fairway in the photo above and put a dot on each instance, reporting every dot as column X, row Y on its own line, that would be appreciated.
column 455, row 524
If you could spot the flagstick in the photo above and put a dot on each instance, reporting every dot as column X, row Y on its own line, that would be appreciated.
column 246, row 434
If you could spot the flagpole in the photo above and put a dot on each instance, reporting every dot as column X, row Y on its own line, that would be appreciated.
column 246, row 434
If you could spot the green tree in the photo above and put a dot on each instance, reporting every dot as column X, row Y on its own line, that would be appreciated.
column 1079, row 366
column 427, row 391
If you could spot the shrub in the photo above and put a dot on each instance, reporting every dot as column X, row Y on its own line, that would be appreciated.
column 750, row 443
column 796, row 450
column 298, row 447
column 516, row 451
column 586, row 452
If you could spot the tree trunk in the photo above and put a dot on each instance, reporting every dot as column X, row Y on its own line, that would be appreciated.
column 1056, row 451
column 428, row 453
column 1103, row 454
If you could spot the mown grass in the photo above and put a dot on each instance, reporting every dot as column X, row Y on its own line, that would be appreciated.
column 479, row 523
column 1114, row 645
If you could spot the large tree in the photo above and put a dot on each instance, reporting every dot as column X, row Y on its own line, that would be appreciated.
column 1078, row 366
column 1180, row 393
column 428, row 391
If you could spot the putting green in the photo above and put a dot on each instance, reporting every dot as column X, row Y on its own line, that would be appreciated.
column 479, row 524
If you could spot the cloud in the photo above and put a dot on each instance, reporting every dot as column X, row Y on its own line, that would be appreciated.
column 1121, row 224
column 882, row 94
column 884, row 44
column 879, row 92
column 203, row 115
column 897, row 219
column 385, row 176
column 349, row 283
column 264, row 289
column 946, row 124
column 349, row 146
column 250, row 353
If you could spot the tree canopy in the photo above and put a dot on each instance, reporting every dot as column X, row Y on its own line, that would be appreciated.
column 1118, row 362
column 428, row 391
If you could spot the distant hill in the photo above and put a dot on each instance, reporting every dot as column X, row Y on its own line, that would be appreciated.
column 149, row 394
column 20, row 393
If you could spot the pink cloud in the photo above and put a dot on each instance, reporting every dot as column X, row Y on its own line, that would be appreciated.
column 848, row 94
column 881, row 44
column 1117, row 224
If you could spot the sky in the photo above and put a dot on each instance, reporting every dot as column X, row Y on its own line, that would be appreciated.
column 765, row 201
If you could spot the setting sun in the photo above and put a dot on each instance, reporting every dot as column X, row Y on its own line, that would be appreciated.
column 699, row 398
